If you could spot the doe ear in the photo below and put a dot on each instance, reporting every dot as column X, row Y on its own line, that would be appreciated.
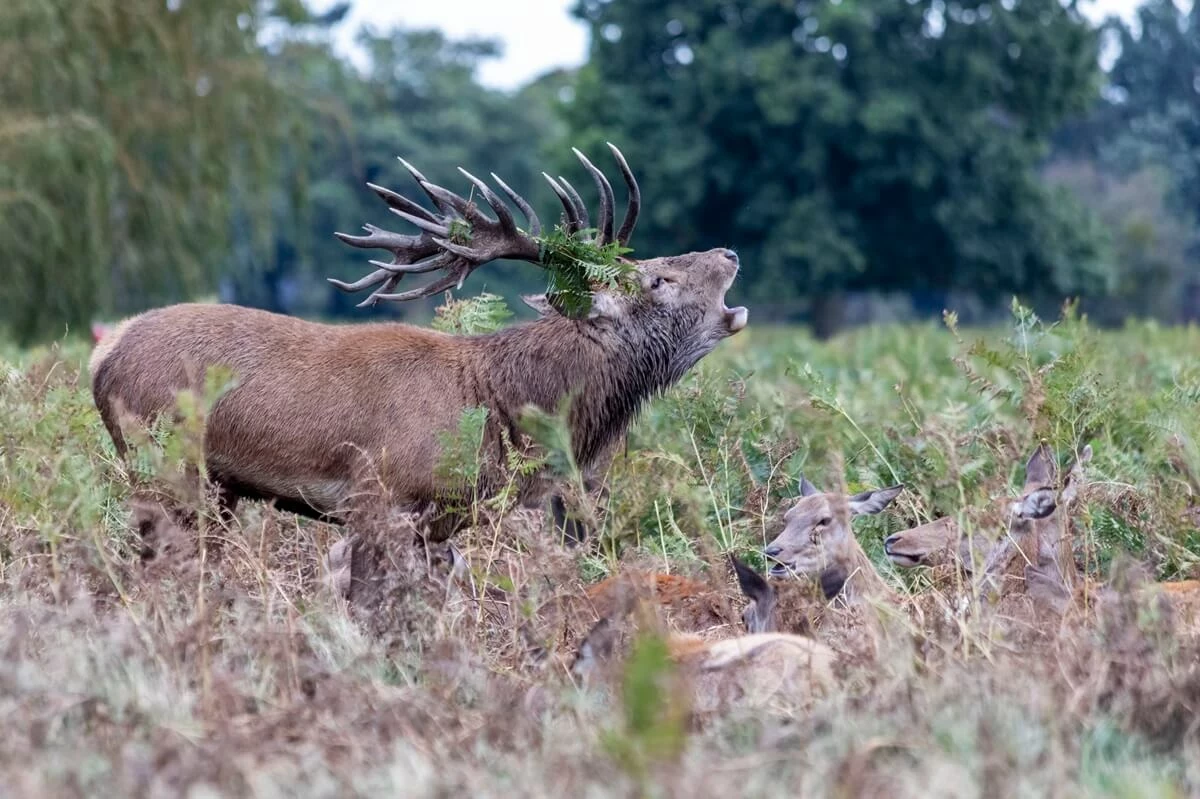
column 759, row 615
column 1085, row 455
column 751, row 582
column 1070, row 488
column 1039, row 469
column 596, row 648
column 873, row 501
column 807, row 489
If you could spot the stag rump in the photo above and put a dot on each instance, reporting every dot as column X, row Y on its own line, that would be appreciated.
column 322, row 415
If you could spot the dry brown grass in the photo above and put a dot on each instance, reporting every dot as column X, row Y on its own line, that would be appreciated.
column 241, row 664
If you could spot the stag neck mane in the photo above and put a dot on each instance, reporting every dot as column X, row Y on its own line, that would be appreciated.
column 608, row 367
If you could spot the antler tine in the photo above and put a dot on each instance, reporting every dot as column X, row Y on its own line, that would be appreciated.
column 422, row 182
column 378, row 276
column 440, row 246
column 373, row 299
column 505, row 217
column 436, row 287
column 535, row 224
column 401, row 202
column 392, row 273
column 464, row 207
column 574, row 223
column 577, row 201
column 379, row 239
column 427, row 226
column 635, row 197
column 604, row 227
column 419, row 268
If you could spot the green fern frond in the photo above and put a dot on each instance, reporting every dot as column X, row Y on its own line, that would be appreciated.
column 578, row 268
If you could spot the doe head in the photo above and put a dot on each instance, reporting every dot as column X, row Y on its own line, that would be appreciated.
column 817, row 536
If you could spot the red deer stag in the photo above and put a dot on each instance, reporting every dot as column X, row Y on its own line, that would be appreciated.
column 320, row 413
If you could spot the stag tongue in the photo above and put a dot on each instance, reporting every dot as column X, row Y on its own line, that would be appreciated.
column 735, row 318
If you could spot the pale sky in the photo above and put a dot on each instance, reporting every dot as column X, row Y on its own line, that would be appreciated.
column 537, row 35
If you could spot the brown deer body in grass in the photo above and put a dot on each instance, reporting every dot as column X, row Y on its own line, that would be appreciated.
column 688, row 604
column 753, row 671
column 1052, row 587
column 321, row 414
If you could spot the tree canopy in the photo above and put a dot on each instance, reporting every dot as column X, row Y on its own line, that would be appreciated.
column 159, row 150
column 132, row 128
column 849, row 144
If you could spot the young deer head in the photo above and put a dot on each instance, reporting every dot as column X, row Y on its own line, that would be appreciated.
column 1037, row 549
column 817, row 541
column 940, row 543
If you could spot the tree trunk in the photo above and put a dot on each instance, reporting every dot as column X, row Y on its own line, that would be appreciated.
column 827, row 314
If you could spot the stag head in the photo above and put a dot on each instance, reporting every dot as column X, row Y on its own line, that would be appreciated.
column 680, row 297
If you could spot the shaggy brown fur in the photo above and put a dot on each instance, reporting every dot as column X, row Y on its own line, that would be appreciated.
column 320, row 413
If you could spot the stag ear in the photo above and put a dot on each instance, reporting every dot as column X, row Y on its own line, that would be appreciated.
column 1039, row 469
column 539, row 303
column 807, row 489
column 606, row 305
column 873, row 501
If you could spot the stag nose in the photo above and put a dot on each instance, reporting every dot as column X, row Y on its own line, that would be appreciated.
column 772, row 551
column 731, row 255
column 890, row 541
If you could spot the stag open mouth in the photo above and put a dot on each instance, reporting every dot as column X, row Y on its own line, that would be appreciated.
column 735, row 318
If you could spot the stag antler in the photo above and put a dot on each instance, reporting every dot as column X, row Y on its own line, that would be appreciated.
column 460, row 238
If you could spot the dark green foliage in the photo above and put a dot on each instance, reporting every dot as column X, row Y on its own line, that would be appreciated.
column 852, row 145
column 131, row 132
column 577, row 267
column 484, row 313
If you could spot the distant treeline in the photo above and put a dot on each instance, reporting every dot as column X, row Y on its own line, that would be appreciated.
column 865, row 157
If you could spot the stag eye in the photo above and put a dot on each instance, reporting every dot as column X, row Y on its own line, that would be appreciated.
column 658, row 281
column 825, row 521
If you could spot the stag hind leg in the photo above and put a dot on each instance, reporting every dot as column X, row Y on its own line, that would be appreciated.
column 573, row 526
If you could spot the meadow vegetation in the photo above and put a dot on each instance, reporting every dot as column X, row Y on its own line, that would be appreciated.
column 138, row 660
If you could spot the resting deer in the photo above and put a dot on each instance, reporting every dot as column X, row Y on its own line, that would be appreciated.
column 1044, row 523
column 818, row 546
column 756, row 671
column 938, row 544
column 321, row 414
column 817, row 542
column 812, row 545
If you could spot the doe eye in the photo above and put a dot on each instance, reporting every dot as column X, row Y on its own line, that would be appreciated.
column 825, row 521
